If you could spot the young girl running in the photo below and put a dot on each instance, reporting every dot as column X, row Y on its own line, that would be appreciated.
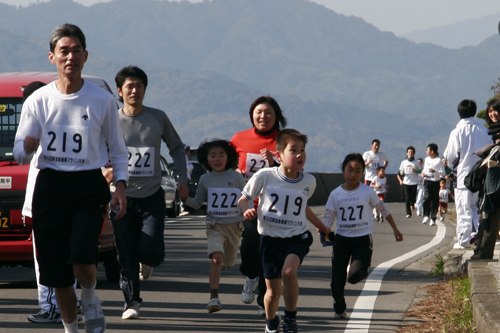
column 221, row 189
column 351, row 204
column 443, row 198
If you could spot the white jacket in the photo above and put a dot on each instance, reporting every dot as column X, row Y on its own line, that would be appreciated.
column 467, row 138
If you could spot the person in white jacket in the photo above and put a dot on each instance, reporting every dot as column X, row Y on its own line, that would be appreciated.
column 467, row 137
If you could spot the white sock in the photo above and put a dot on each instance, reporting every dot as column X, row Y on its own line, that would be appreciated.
column 88, row 295
column 71, row 327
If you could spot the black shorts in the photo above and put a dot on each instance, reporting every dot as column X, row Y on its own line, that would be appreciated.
column 274, row 251
column 68, row 216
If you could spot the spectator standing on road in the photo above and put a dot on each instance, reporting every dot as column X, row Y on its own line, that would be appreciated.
column 351, row 204
column 408, row 176
column 220, row 188
column 432, row 173
column 71, row 120
column 467, row 138
column 256, row 148
column 282, row 216
column 419, row 204
column 139, row 234
column 491, row 203
column 373, row 159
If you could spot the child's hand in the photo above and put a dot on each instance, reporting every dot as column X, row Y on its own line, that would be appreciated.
column 250, row 214
column 398, row 236
column 324, row 230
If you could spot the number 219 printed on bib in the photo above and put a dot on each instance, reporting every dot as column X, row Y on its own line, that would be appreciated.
column 63, row 144
column 141, row 161
column 223, row 202
column 284, row 207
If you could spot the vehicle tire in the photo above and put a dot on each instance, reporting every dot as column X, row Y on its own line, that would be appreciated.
column 111, row 265
column 174, row 211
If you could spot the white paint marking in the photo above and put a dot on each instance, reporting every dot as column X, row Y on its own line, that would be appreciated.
column 360, row 318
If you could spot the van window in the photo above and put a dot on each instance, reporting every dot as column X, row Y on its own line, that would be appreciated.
column 10, row 113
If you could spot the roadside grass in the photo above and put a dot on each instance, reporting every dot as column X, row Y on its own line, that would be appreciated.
column 457, row 316
column 439, row 266
column 447, row 307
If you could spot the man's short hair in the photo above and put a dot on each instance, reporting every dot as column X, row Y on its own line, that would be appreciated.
column 467, row 108
column 410, row 148
column 66, row 30
column 288, row 135
column 128, row 72
column 376, row 141
column 433, row 147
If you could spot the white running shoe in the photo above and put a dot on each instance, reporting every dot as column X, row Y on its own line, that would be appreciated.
column 457, row 246
column 261, row 312
column 132, row 311
column 184, row 213
column 432, row 223
column 249, row 288
column 425, row 220
column 442, row 219
column 214, row 305
column 339, row 315
column 145, row 271
column 94, row 317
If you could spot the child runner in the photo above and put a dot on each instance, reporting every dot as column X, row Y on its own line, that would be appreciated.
column 444, row 192
column 408, row 176
column 220, row 188
column 351, row 205
column 432, row 172
column 282, row 216
column 420, row 191
column 379, row 184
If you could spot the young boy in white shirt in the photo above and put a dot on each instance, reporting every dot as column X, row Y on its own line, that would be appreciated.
column 282, row 217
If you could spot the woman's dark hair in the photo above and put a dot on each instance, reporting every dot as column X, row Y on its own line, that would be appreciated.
column 205, row 147
column 495, row 105
column 280, row 119
column 353, row 157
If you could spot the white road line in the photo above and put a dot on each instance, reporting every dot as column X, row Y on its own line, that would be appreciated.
column 360, row 318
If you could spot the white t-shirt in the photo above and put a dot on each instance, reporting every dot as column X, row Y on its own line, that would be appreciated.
column 352, row 210
column 282, row 201
column 409, row 169
column 379, row 159
column 382, row 182
column 73, row 130
column 437, row 165
column 443, row 195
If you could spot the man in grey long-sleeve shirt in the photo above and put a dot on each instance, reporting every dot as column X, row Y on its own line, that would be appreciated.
column 139, row 234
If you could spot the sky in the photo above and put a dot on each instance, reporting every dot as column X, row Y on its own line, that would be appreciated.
column 397, row 16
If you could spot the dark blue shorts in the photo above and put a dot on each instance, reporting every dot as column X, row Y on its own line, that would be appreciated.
column 274, row 251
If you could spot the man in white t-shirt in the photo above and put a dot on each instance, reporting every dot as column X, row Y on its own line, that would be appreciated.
column 374, row 159
column 67, row 127
column 408, row 177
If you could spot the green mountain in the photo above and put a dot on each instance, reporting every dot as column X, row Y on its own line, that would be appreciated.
column 338, row 78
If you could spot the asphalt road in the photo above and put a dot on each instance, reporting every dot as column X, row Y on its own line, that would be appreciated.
column 176, row 295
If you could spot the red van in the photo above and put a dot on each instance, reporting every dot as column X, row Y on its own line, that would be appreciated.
column 16, row 247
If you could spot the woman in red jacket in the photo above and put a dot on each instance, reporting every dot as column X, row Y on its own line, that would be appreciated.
column 256, row 148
